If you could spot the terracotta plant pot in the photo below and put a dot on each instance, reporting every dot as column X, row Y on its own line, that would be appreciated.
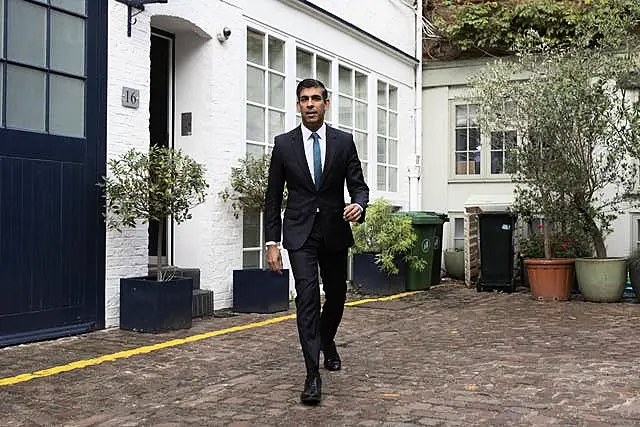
column 550, row 279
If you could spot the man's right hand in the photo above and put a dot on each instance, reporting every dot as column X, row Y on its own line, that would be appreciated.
column 274, row 258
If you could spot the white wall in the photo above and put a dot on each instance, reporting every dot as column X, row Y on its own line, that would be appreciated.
column 210, row 83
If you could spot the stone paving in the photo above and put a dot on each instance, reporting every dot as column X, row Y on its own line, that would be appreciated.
column 448, row 356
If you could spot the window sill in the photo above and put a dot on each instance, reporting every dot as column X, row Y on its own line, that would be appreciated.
column 477, row 179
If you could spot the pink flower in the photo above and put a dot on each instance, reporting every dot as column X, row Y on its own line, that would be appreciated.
column 564, row 247
column 539, row 226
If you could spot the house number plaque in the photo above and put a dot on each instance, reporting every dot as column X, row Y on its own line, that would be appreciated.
column 130, row 97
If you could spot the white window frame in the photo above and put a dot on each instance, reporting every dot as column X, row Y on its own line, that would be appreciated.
column 387, row 165
column 485, row 150
column 364, row 155
column 329, row 85
column 453, row 218
column 267, row 144
column 635, row 232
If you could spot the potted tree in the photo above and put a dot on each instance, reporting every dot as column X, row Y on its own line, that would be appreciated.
column 255, row 290
column 568, row 163
column 382, row 250
column 155, row 185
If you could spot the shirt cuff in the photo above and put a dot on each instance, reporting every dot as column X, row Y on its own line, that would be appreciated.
column 361, row 208
column 271, row 243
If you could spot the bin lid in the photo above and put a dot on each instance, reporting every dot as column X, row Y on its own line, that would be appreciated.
column 426, row 217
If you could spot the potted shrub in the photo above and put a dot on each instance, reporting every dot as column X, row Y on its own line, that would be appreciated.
column 569, row 163
column 382, row 250
column 155, row 185
column 255, row 290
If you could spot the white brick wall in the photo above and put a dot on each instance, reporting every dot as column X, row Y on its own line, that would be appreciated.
column 210, row 83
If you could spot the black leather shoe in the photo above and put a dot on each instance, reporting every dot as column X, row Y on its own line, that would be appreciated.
column 332, row 359
column 312, row 392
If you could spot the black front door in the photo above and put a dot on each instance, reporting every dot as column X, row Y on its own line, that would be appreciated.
column 52, row 153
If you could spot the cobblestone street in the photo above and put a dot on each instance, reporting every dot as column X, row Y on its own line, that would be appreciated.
column 448, row 356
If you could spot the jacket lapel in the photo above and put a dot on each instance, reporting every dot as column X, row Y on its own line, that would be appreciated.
column 297, row 147
column 330, row 154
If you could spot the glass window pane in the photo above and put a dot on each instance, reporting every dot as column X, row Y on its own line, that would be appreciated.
column 458, row 231
column 361, row 115
column 255, row 47
column 497, row 165
column 77, row 6
column 255, row 150
column 66, row 106
column 255, row 84
column 251, row 229
column 382, row 178
column 327, row 112
column 461, row 115
column 26, row 32
column 382, row 150
column 67, row 43
column 393, row 98
column 497, row 140
column 276, row 54
column 365, row 171
column 461, row 139
column 473, row 115
column 26, row 95
column 361, row 85
column 323, row 71
column 474, row 139
column 461, row 164
column 276, row 124
column 474, row 157
column 393, row 179
column 382, row 121
column 393, row 152
column 382, row 94
column 304, row 64
column 360, row 140
column 510, row 140
column 393, row 125
column 276, row 90
column 345, row 111
column 255, row 123
column 251, row 259
column 344, row 80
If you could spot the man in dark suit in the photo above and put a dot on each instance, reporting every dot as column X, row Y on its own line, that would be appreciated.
column 314, row 161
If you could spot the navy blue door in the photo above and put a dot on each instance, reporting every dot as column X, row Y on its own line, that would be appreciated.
column 52, row 154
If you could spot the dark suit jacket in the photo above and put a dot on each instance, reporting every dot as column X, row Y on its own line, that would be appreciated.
column 304, row 203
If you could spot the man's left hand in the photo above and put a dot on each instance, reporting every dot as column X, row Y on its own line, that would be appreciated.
column 352, row 212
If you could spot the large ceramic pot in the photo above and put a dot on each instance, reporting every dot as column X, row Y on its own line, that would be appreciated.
column 601, row 279
column 550, row 279
column 454, row 263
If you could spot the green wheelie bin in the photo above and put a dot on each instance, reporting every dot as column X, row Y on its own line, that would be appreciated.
column 428, row 227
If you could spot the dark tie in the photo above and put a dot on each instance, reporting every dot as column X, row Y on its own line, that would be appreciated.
column 317, row 160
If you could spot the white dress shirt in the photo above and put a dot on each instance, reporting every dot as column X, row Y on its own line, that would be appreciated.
column 308, row 146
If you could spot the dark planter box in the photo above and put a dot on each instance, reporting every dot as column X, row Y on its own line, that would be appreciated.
column 260, row 291
column 368, row 279
column 147, row 305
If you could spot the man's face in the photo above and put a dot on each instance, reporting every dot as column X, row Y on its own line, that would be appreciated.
column 312, row 107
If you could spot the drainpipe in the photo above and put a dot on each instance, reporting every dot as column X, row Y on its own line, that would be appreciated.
column 415, row 166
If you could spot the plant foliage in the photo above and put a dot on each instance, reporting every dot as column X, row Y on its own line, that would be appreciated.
column 501, row 26
column 573, row 121
column 248, row 185
column 389, row 235
column 153, row 185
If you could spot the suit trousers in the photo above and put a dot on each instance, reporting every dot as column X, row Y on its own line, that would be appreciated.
column 317, row 331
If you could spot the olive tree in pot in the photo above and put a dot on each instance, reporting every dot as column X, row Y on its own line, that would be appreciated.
column 382, row 250
column 160, row 184
column 255, row 289
column 569, row 165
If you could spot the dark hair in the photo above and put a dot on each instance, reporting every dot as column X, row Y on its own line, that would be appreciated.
column 308, row 83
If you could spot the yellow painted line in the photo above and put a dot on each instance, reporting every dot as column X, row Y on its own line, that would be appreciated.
column 80, row 364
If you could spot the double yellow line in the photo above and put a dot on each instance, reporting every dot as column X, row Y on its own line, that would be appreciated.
column 167, row 344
